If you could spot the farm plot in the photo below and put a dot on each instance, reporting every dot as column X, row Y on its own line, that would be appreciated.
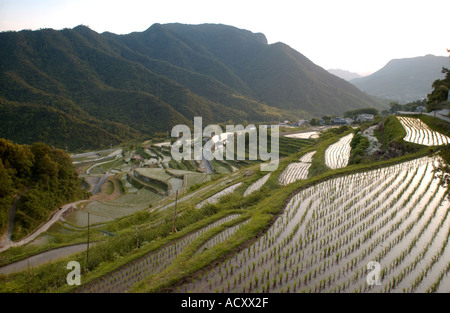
column 397, row 216
column 297, row 171
column 418, row 132
column 214, row 199
column 125, row 278
column 102, row 212
column 307, row 135
column 191, row 179
column 337, row 155
column 159, row 179
column 293, row 172
column 157, row 174
column 188, row 178
column 256, row 185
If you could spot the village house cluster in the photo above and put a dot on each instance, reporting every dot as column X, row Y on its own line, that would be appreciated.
column 362, row 118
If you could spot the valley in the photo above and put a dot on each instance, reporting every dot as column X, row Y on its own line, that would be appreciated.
column 312, row 225
column 353, row 196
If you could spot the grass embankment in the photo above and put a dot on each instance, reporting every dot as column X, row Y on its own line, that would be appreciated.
column 393, row 131
column 109, row 188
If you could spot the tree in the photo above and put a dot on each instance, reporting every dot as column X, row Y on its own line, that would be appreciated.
column 6, row 184
column 327, row 119
column 440, row 90
column 394, row 106
column 355, row 113
column 314, row 122
column 43, row 178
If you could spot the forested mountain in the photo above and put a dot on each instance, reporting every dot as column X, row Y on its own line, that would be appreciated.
column 404, row 80
column 81, row 89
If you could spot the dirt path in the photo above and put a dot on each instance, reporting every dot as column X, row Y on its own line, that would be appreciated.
column 43, row 228
column 374, row 145
column 439, row 114
column 43, row 258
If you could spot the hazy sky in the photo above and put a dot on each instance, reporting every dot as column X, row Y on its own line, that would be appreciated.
column 356, row 35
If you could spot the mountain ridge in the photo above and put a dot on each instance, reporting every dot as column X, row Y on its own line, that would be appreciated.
column 404, row 80
column 134, row 86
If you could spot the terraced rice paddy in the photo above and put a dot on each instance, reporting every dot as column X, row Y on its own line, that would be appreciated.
column 337, row 155
column 256, row 185
column 418, row 132
column 217, row 196
column 189, row 178
column 297, row 170
column 102, row 212
column 293, row 172
column 306, row 135
column 328, row 233
column 154, row 262
column 159, row 179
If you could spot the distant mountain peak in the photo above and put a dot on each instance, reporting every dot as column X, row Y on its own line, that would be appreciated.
column 347, row 75
column 404, row 80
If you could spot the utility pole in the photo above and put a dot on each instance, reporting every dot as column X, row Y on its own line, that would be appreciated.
column 137, row 238
column 174, row 229
column 29, row 276
column 87, row 250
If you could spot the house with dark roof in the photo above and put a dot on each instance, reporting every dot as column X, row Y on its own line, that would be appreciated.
column 339, row 121
column 365, row 118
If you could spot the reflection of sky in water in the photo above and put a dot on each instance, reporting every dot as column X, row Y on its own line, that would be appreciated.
column 221, row 140
column 308, row 135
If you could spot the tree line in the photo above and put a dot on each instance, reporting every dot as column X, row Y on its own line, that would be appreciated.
column 41, row 177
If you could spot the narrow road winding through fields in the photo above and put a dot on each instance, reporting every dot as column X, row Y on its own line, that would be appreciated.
column 43, row 228
column 42, row 258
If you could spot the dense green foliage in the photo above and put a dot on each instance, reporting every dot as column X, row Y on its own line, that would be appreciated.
column 441, row 88
column 82, row 89
column 42, row 178
column 354, row 113
column 358, row 144
column 29, row 123
column 408, row 107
